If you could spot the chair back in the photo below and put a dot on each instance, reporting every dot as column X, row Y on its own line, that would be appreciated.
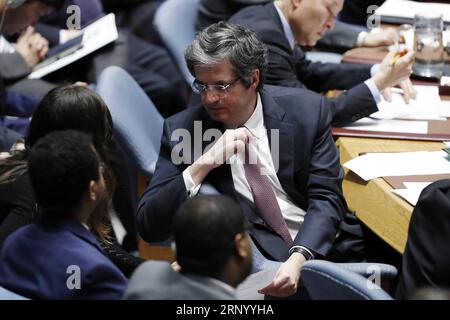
column 137, row 123
column 326, row 280
column 175, row 22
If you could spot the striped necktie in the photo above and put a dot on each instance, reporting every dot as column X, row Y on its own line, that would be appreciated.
column 263, row 195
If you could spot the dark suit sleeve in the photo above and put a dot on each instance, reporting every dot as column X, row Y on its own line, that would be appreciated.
column 49, row 32
column 426, row 260
column 13, row 66
column 103, row 282
column 341, row 38
column 321, row 77
column 163, row 196
column 292, row 69
column 326, row 204
column 352, row 105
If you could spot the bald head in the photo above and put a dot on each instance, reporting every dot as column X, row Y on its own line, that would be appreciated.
column 310, row 19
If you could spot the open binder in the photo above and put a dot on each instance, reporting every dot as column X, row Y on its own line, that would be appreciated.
column 93, row 37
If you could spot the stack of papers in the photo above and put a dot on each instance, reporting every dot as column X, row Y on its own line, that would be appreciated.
column 426, row 106
column 403, row 11
column 400, row 126
column 412, row 191
column 375, row 165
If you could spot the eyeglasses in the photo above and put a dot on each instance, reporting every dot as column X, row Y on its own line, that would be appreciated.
column 221, row 89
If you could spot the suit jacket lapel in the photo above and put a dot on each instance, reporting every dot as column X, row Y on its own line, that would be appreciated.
column 273, row 120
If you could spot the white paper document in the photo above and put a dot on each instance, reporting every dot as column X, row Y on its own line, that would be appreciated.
column 375, row 165
column 95, row 36
column 402, row 11
column 444, row 109
column 412, row 191
column 426, row 106
column 400, row 126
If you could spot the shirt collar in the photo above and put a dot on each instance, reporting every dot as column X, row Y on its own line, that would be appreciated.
column 286, row 27
column 255, row 124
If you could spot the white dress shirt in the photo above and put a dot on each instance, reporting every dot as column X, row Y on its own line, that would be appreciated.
column 6, row 46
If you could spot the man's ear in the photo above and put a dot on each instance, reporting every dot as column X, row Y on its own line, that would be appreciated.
column 255, row 79
column 242, row 245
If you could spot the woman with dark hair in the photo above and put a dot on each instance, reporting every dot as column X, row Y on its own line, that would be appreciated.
column 68, row 107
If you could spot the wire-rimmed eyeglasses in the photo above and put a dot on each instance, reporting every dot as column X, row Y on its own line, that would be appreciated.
column 221, row 89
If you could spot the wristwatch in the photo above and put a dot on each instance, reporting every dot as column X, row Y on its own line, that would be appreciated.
column 304, row 251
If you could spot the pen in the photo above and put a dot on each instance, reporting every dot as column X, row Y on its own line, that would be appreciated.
column 397, row 56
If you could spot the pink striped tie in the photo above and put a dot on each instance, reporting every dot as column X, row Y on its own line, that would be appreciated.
column 263, row 196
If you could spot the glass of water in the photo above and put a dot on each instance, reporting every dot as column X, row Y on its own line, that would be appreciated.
column 428, row 45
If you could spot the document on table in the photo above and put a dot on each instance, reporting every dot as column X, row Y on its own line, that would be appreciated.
column 412, row 191
column 390, row 125
column 426, row 106
column 375, row 165
column 444, row 108
column 403, row 11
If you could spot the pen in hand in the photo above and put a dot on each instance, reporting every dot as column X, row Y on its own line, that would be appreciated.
column 397, row 56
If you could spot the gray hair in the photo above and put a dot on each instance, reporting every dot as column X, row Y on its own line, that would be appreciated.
column 223, row 40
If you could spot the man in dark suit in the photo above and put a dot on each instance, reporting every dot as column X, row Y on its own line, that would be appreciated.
column 214, row 256
column 426, row 260
column 277, row 157
column 340, row 39
column 286, row 25
column 58, row 257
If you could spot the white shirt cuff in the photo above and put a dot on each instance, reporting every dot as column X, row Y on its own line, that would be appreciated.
column 374, row 69
column 360, row 39
column 191, row 188
column 373, row 90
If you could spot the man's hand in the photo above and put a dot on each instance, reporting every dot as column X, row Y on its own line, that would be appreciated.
column 287, row 277
column 229, row 144
column 383, row 37
column 175, row 266
column 409, row 92
column 31, row 46
column 396, row 70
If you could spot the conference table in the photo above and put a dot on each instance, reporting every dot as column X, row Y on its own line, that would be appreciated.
column 385, row 213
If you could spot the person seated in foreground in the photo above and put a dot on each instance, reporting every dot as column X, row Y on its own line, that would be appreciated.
column 58, row 257
column 212, row 249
